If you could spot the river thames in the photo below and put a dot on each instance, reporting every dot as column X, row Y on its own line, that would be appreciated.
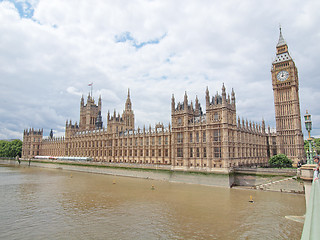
column 39, row 203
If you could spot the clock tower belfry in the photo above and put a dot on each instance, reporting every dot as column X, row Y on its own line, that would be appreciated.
column 285, row 85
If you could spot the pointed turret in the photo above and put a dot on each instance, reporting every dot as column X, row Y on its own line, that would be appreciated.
column 128, row 102
column 82, row 101
column 281, row 41
column 224, row 95
column 99, row 101
column 233, row 97
column 173, row 104
column 282, row 50
column 128, row 115
column 207, row 98
column 197, row 106
column 185, row 102
column 263, row 126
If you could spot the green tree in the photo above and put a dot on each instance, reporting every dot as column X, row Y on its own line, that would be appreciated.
column 10, row 148
column 280, row 161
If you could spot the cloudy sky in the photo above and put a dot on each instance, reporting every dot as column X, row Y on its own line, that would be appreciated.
column 51, row 50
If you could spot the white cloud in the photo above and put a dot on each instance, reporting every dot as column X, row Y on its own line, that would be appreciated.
column 47, row 61
column 74, row 91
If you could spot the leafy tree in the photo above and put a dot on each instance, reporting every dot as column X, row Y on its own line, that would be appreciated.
column 280, row 161
column 10, row 148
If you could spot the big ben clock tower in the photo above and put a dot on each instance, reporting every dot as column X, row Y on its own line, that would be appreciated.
column 285, row 85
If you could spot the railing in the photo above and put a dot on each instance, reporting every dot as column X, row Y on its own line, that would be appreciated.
column 311, row 228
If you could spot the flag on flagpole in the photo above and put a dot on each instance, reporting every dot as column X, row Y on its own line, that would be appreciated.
column 90, row 84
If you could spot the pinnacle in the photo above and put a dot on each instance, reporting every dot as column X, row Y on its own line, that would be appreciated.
column 281, row 41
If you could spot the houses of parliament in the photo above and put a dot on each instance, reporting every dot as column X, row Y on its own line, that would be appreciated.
column 208, row 140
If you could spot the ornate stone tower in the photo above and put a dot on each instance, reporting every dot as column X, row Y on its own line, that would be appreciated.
column 117, row 123
column 128, row 115
column 89, row 113
column 285, row 85
column 32, row 140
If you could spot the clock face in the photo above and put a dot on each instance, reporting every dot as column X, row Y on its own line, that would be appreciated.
column 282, row 75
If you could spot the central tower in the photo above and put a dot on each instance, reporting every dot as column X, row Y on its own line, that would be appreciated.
column 285, row 85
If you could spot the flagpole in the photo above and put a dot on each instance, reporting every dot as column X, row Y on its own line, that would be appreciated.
column 91, row 85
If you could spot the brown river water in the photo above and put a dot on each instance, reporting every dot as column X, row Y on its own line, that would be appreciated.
column 37, row 203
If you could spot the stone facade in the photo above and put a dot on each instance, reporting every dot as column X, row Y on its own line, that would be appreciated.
column 195, row 140
column 285, row 85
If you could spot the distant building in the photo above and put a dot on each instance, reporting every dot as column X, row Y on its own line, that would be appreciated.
column 211, row 140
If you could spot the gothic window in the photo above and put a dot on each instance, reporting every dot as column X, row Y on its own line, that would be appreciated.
column 179, row 121
column 166, row 140
column 216, row 135
column 179, row 152
column 198, row 152
column 191, row 137
column 180, row 137
column 191, row 152
column 197, row 137
column 204, row 137
column 159, row 152
column 152, row 141
column 166, row 152
column 159, row 141
column 204, row 152
column 216, row 116
column 217, row 152
column 152, row 152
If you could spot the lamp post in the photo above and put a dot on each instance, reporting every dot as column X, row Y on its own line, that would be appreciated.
column 308, row 123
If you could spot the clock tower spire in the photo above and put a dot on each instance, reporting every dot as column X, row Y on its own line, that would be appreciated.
column 285, row 85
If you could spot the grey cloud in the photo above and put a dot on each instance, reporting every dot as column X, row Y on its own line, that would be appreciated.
column 45, row 69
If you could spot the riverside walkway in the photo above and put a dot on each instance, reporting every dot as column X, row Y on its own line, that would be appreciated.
column 311, row 229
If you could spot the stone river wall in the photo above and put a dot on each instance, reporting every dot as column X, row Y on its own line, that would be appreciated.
column 161, row 173
column 247, row 177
